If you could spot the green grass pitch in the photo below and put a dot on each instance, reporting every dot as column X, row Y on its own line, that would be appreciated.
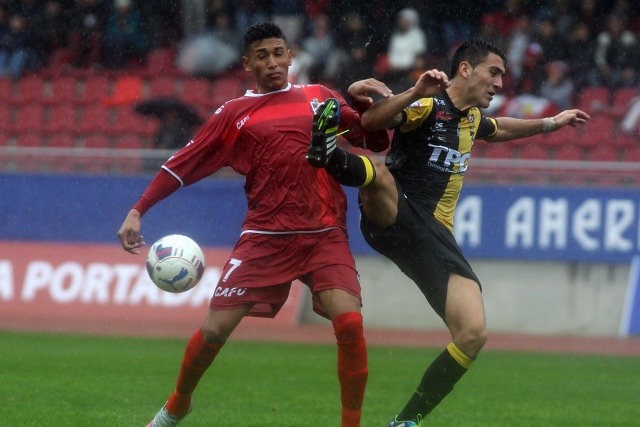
column 63, row 380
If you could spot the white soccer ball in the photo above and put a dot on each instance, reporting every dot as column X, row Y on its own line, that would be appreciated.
column 175, row 263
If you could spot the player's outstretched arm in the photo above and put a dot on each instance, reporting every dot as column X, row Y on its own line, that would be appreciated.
column 129, row 233
column 361, row 90
column 510, row 128
column 386, row 113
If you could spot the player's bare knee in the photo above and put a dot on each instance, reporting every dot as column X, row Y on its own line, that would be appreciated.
column 471, row 340
column 214, row 335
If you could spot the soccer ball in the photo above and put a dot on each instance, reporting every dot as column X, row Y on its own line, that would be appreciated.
column 175, row 263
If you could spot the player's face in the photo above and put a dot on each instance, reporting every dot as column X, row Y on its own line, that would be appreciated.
column 485, row 80
column 269, row 61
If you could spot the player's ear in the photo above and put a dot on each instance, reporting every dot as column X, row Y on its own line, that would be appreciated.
column 464, row 69
column 246, row 64
column 290, row 57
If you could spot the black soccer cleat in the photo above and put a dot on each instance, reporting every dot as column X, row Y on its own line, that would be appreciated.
column 324, row 133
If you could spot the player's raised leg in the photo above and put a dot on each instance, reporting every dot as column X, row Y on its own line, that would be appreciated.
column 344, row 311
column 378, row 192
column 201, row 350
column 323, row 152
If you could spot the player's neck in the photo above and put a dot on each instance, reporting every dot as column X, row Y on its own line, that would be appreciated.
column 458, row 93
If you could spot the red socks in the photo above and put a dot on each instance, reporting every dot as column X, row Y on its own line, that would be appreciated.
column 352, row 368
column 198, row 356
column 352, row 365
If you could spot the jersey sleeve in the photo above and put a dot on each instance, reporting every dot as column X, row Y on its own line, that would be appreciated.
column 161, row 187
column 487, row 128
column 212, row 148
column 416, row 113
column 355, row 134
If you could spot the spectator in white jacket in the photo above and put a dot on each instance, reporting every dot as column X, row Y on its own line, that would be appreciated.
column 407, row 41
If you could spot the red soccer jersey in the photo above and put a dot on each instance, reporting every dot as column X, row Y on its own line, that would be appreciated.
column 265, row 138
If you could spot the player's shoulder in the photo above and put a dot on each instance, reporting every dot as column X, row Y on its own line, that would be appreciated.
column 422, row 103
column 233, row 105
column 314, row 88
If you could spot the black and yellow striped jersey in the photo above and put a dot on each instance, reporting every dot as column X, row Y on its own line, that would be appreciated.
column 431, row 149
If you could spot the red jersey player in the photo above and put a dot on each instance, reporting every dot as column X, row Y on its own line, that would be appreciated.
column 295, row 223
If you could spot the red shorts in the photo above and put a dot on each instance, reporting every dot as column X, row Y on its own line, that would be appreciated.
column 262, row 267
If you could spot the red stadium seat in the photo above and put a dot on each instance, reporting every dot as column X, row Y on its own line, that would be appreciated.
column 29, row 118
column 63, row 90
column 598, row 128
column 568, row 151
column 224, row 89
column 500, row 150
column 127, row 122
column 6, row 87
column 58, row 63
column 159, row 62
column 623, row 96
column 590, row 97
column 29, row 89
column 6, row 116
column 162, row 87
column 602, row 153
column 534, row 152
column 623, row 141
column 566, row 135
column 196, row 92
column 94, row 119
column 96, row 88
column 62, row 118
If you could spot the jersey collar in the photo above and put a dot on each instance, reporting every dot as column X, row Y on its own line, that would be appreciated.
column 253, row 93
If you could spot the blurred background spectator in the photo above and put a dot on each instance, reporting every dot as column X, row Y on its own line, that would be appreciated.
column 332, row 42
column 558, row 86
column 406, row 43
column 320, row 46
column 582, row 57
column 125, row 41
column 88, row 21
column 194, row 17
column 290, row 15
column 52, row 29
column 617, row 53
column 17, row 46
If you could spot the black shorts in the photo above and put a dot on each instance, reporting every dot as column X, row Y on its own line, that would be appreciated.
column 422, row 247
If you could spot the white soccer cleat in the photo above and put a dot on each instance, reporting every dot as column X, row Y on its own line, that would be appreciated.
column 164, row 419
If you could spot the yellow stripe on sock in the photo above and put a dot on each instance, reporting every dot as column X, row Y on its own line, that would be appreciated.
column 369, row 170
column 459, row 356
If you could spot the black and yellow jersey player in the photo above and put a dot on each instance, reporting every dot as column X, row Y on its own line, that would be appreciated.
column 408, row 203
column 433, row 144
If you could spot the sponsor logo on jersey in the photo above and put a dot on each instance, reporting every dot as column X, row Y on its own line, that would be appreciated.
column 446, row 159
column 242, row 122
column 443, row 115
column 229, row 292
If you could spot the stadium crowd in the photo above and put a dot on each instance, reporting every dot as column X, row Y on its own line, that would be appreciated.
column 73, row 69
column 555, row 47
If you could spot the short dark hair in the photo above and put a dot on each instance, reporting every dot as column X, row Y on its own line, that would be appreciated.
column 261, row 31
column 474, row 51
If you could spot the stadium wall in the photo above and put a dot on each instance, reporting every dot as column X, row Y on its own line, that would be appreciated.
column 552, row 260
